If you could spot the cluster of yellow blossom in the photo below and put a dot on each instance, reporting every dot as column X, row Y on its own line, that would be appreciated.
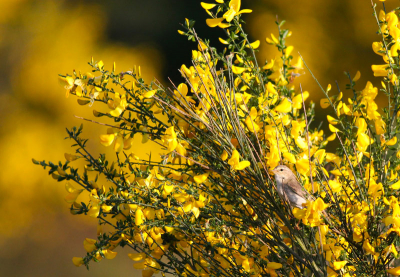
column 209, row 205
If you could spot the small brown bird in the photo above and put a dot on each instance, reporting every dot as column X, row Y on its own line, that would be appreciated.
column 289, row 188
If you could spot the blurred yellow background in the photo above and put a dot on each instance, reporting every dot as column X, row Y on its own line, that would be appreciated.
column 41, row 39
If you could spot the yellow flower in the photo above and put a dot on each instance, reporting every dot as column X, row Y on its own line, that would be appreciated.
column 303, row 166
column 107, row 140
column 89, row 245
column 234, row 9
column 273, row 41
column 380, row 70
column 284, row 106
column 392, row 141
column 170, row 139
column 78, row 261
column 363, row 141
column 234, row 161
column 339, row 265
column 199, row 179
column 68, row 83
column 109, row 254
column 311, row 215
column 368, row 247
column 298, row 100
column 324, row 102
column 251, row 124
column 73, row 193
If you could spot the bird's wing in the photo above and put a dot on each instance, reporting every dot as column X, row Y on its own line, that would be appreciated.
column 295, row 187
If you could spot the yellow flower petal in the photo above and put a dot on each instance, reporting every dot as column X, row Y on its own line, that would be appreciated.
column 332, row 120
column 288, row 51
column 141, row 265
column 106, row 208
column 320, row 205
column 242, row 165
column 139, row 217
column 119, row 144
column 289, row 157
column 380, row 70
column 224, row 155
column 109, row 254
column 234, row 161
column 368, row 247
column 168, row 188
column 117, row 112
column 72, row 196
column 94, row 211
column 269, row 41
column 196, row 212
column 303, row 166
column 245, row 11
column 320, row 155
column 298, row 100
column 213, row 22
column 331, row 137
column 150, row 93
column 395, row 185
column 238, row 70
column 392, row 141
column 394, row 271
column 276, row 41
column 246, row 265
column 224, row 25
column 254, row 45
column 358, row 75
column 137, row 256
column 273, row 265
column 207, row 6
column 339, row 265
column 100, row 65
column 106, row 140
column 201, row 178
column 223, row 41
column 299, row 213
column 333, row 129
column 89, row 245
column 70, row 157
column 269, row 66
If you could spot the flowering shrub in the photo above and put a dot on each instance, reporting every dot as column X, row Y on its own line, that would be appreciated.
column 207, row 204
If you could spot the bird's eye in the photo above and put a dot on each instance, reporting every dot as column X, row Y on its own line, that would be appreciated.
column 281, row 169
